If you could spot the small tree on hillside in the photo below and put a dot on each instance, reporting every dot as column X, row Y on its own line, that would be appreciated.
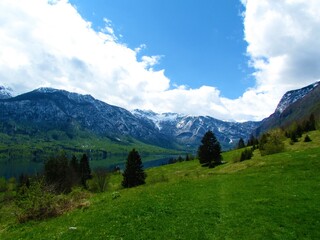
column 241, row 143
column 84, row 169
column 209, row 152
column 134, row 174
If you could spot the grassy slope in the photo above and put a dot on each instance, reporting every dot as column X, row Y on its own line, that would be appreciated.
column 272, row 197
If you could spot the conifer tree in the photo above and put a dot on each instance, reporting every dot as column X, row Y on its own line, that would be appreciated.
column 56, row 171
column 85, row 171
column 241, row 143
column 74, row 170
column 134, row 174
column 209, row 152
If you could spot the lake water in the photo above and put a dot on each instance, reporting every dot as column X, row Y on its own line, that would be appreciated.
column 16, row 168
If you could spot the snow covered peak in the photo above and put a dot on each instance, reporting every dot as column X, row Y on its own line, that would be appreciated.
column 293, row 96
column 46, row 90
column 156, row 117
column 5, row 92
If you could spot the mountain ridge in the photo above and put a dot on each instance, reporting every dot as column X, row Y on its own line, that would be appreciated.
column 295, row 106
column 47, row 108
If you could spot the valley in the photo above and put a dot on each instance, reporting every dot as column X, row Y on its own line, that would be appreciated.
column 273, row 197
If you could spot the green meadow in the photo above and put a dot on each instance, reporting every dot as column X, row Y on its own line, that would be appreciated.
column 270, row 197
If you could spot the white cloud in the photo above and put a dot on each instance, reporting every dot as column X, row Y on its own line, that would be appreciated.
column 48, row 43
column 283, row 44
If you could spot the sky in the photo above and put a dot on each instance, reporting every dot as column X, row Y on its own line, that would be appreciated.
column 228, row 59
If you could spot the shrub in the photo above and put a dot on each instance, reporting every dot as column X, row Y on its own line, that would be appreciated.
column 307, row 139
column 36, row 202
column 39, row 201
column 246, row 154
column 100, row 180
column 271, row 143
column 3, row 184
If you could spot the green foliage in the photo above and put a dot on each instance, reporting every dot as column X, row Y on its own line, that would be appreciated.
column 209, row 152
column 36, row 202
column 85, row 170
column 295, row 130
column 57, row 173
column 40, row 201
column 271, row 142
column 252, row 141
column 240, row 144
column 268, row 197
column 246, row 154
column 99, row 181
column 3, row 184
column 307, row 139
column 134, row 174
column 115, row 195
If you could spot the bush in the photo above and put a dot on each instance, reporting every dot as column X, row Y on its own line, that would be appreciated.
column 39, row 201
column 36, row 202
column 100, row 180
column 246, row 154
column 307, row 139
column 271, row 143
column 3, row 184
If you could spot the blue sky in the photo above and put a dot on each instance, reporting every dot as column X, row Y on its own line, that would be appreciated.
column 183, row 56
column 202, row 42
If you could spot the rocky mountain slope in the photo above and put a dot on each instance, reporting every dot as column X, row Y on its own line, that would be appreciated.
column 5, row 93
column 295, row 106
column 188, row 130
column 46, row 109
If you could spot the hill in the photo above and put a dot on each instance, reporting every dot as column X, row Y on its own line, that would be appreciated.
column 295, row 106
column 270, row 197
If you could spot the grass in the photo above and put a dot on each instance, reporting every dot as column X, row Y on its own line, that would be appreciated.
column 270, row 197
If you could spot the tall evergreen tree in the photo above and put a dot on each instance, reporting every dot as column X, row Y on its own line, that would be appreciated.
column 134, row 174
column 209, row 152
column 241, row 143
column 85, row 171
column 56, row 171
column 74, row 170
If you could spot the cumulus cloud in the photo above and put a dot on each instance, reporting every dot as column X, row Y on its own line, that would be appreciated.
column 283, row 45
column 48, row 44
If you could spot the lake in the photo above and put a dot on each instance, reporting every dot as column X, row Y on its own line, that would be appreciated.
column 16, row 168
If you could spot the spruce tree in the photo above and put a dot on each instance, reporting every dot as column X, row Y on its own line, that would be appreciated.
column 209, row 152
column 85, row 171
column 74, row 170
column 241, row 143
column 56, row 172
column 134, row 174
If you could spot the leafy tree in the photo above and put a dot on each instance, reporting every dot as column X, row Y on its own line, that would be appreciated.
column 241, row 143
column 84, row 169
column 134, row 174
column 271, row 142
column 209, row 152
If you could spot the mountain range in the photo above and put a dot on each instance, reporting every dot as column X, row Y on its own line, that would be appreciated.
column 47, row 109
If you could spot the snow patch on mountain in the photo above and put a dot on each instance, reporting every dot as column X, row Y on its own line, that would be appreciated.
column 293, row 96
column 157, row 118
column 5, row 92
